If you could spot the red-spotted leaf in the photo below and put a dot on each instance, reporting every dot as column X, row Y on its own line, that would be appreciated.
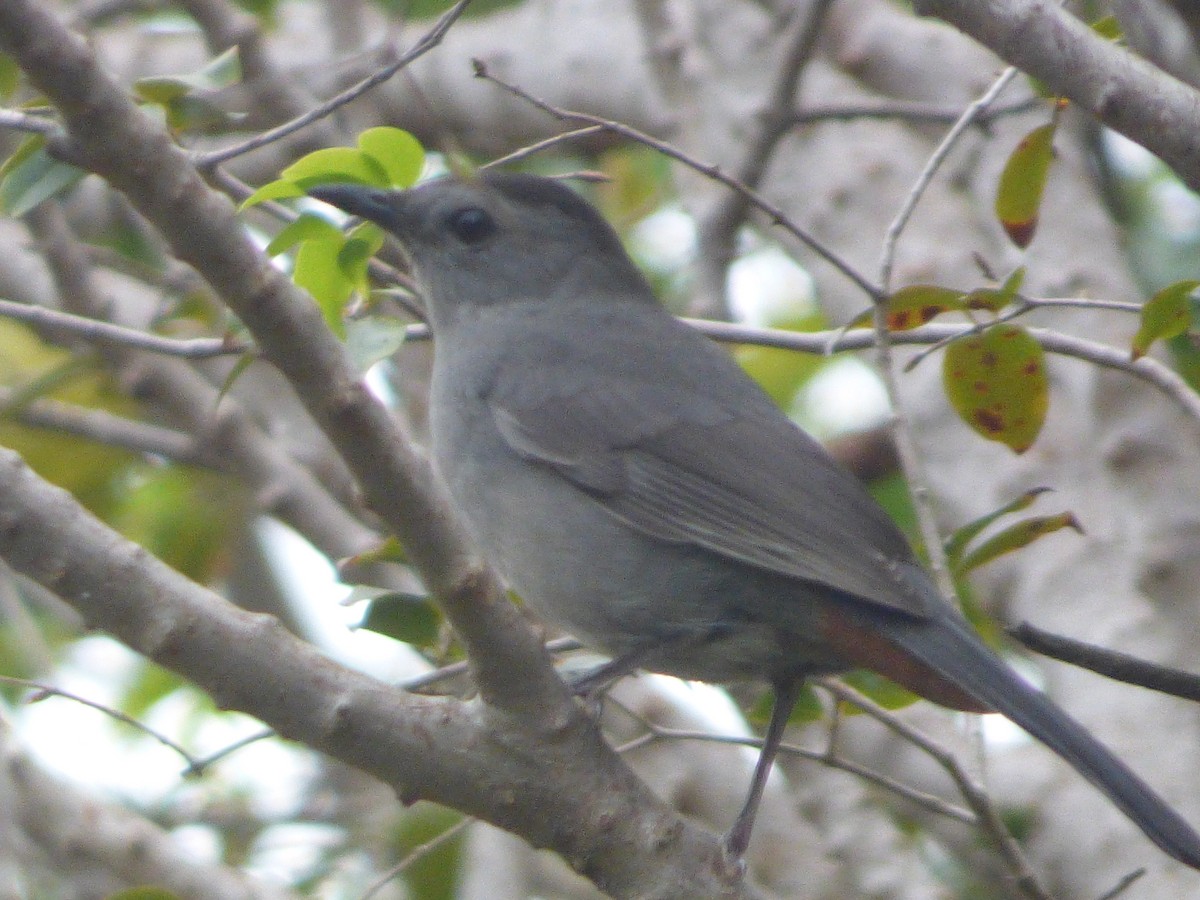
column 913, row 306
column 1019, row 195
column 996, row 381
column 995, row 299
column 917, row 304
column 1014, row 537
column 1167, row 314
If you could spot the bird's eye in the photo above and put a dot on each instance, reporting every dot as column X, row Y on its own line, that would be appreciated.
column 471, row 224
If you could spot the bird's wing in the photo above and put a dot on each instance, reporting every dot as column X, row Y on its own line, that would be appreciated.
column 732, row 475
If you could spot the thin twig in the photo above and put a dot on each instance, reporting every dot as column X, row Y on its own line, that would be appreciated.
column 525, row 152
column 776, row 215
column 906, row 446
column 205, row 762
column 1123, row 885
column 930, row 802
column 1146, row 368
column 719, row 227
column 431, row 39
column 1124, row 306
column 1022, row 307
column 105, row 428
column 1109, row 663
column 41, row 691
column 977, row 798
column 900, row 221
column 417, row 853
column 910, row 112
column 107, row 333
column 23, row 121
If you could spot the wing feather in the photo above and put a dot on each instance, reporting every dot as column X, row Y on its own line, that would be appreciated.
column 728, row 473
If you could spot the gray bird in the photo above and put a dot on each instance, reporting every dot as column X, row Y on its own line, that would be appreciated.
column 640, row 491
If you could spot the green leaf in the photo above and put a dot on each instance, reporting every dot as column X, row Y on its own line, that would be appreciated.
column 194, row 112
column 150, row 684
column 10, row 77
column 221, row 72
column 918, row 304
column 184, row 516
column 145, row 892
column 224, row 70
column 1167, row 314
column 781, row 373
column 335, row 164
column 397, row 152
column 996, row 381
column 433, row 868
column 361, row 244
column 1019, row 195
column 318, row 271
column 306, row 227
column 25, row 149
column 244, row 362
column 373, row 338
column 967, row 533
column 1108, row 28
column 882, row 690
column 807, row 709
column 410, row 618
column 390, row 550
column 995, row 299
column 1014, row 537
column 31, row 176
column 280, row 189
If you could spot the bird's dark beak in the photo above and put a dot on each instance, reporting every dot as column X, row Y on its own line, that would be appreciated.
column 371, row 203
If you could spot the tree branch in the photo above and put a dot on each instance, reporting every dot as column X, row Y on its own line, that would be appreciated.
column 550, row 779
column 1120, row 89
column 1109, row 663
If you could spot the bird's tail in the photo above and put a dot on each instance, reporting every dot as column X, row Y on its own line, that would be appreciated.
column 958, row 654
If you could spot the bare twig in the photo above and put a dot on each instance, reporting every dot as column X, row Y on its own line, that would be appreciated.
column 1146, row 368
column 525, row 152
column 42, row 691
column 1150, row 370
column 828, row 757
column 910, row 112
column 23, row 121
column 719, row 227
column 108, row 333
column 1123, row 885
column 977, row 799
column 431, row 39
column 900, row 221
column 1109, row 663
column 906, row 447
column 776, row 215
column 106, row 428
column 418, row 853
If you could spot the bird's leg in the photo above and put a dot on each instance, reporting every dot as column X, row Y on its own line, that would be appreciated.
column 737, row 839
column 603, row 676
